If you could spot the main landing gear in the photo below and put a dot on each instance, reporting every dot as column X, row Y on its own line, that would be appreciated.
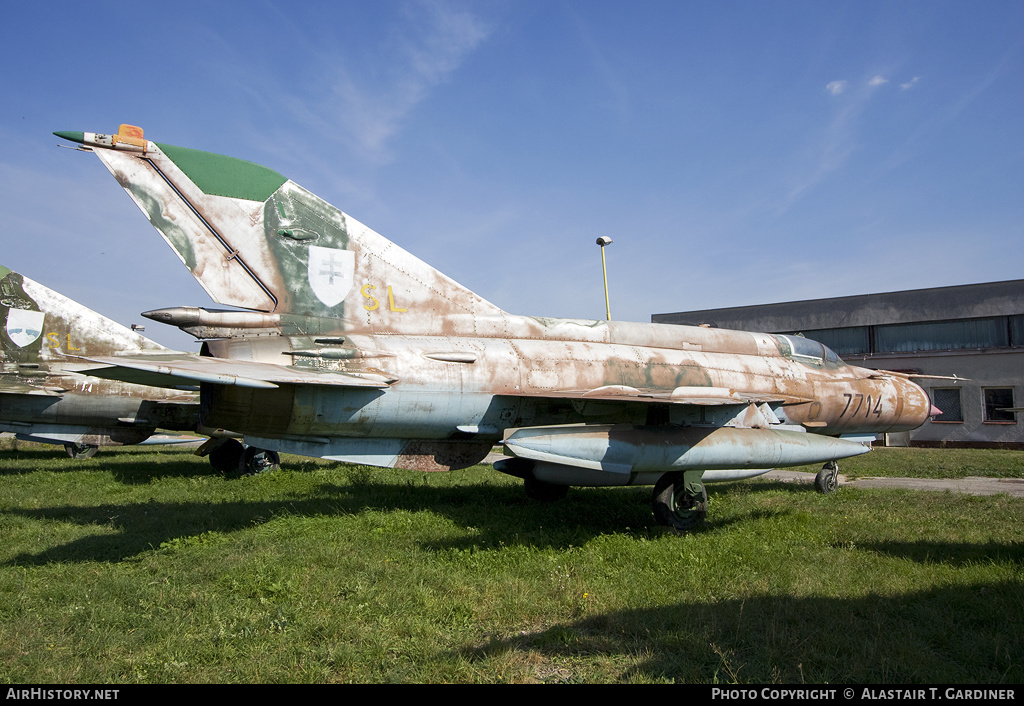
column 80, row 451
column 680, row 500
column 231, row 457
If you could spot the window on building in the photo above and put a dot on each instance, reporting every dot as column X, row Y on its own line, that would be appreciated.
column 997, row 401
column 942, row 335
column 1017, row 330
column 947, row 400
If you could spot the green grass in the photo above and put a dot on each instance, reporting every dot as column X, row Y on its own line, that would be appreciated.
column 892, row 462
column 145, row 566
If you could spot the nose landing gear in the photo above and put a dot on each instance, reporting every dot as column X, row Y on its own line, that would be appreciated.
column 827, row 480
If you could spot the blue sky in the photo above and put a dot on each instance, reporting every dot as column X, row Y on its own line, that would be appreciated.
column 736, row 152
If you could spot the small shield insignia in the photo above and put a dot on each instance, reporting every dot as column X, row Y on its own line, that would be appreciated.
column 331, row 273
column 24, row 326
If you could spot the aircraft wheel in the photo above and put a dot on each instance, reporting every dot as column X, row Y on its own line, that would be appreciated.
column 255, row 461
column 79, row 451
column 677, row 504
column 545, row 492
column 226, row 457
column 827, row 480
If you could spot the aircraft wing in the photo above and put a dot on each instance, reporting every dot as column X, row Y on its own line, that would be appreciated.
column 176, row 370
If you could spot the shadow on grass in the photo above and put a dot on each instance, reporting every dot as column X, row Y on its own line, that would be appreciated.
column 499, row 514
column 131, row 465
column 922, row 637
column 951, row 554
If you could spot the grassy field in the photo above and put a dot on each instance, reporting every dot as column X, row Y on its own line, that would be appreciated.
column 143, row 566
column 931, row 463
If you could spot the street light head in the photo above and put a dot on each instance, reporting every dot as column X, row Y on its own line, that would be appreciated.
column 604, row 240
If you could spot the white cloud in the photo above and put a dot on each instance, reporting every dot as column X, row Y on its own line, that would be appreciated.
column 910, row 83
column 365, row 99
column 830, row 149
column 836, row 87
column 434, row 41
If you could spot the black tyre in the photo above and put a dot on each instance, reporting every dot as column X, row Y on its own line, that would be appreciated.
column 827, row 480
column 258, row 461
column 226, row 457
column 674, row 507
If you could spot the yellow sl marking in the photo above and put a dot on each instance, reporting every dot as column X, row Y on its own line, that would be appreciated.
column 53, row 339
column 372, row 303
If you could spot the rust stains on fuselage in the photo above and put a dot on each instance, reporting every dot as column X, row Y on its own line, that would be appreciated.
column 542, row 376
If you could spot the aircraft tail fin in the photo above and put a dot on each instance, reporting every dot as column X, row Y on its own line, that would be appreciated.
column 256, row 240
column 42, row 325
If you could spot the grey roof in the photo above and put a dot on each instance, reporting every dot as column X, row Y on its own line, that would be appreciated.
column 967, row 301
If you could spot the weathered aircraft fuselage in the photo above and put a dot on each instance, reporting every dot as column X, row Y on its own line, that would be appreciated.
column 447, row 386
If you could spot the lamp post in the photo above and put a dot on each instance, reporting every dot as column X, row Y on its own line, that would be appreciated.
column 603, row 241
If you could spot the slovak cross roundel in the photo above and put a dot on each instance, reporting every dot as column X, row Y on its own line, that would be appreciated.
column 24, row 326
column 331, row 273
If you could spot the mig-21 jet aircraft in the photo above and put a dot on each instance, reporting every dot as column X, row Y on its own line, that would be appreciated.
column 352, row 349
column 44, row 398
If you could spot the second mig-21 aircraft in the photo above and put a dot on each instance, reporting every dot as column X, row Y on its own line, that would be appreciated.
column 45, row 398
column 350, row 348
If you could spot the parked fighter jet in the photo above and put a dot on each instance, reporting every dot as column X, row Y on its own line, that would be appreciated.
column 353, row 349
column 43, row 399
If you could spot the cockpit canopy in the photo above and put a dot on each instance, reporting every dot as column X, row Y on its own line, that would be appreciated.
column 807, row 350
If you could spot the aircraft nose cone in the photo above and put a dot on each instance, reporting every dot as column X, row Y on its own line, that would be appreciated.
column 917, row 406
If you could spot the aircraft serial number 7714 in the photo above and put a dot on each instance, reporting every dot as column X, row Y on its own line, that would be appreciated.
column 350, row 348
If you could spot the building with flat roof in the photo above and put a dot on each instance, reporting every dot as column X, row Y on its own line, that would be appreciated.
column 974, row 332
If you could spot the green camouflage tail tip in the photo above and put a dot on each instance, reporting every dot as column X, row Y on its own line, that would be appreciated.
column 71, row 135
